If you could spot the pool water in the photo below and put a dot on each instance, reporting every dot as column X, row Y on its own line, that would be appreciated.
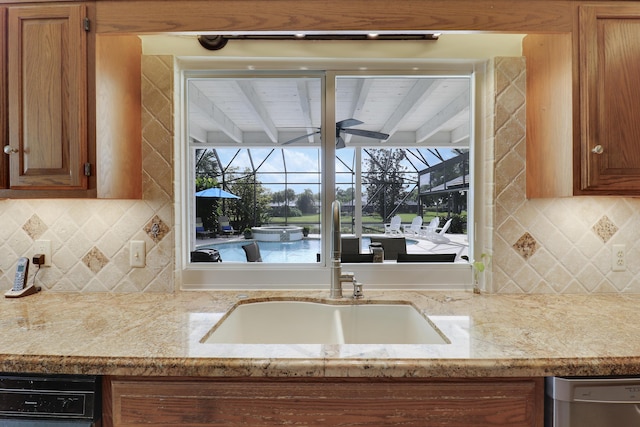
column 300, row 251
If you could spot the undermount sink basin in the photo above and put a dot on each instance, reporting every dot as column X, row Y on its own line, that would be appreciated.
column 301, row 322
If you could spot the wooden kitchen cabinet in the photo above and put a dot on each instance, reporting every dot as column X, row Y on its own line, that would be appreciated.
column 549, row 116
column 47, row 92
column 322, row 402
column 4, row 130
column 610, row 99
column 71, row 112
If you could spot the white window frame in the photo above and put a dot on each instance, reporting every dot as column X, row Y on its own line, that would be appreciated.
column 219, row 276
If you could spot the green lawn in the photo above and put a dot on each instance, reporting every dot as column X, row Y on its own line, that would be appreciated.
column 367, row 219
column 314, row 219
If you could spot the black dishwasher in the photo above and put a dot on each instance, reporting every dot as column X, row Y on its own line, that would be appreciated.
column 30, row 400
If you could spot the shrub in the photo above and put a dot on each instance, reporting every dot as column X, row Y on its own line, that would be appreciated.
column 282, row 211
column 458, row 224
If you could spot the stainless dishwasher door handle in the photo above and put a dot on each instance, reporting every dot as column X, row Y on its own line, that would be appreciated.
column 629, row 402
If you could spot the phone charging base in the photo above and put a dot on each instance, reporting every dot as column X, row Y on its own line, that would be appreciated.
column 29, row 290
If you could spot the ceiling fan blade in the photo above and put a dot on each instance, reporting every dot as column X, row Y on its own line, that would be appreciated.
column 367, row 133
column 291, row 141
column 340, row 143
column 347, row 123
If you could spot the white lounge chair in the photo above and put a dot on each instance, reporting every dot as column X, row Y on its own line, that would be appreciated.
column 415, row 228
column 430, row 228
column 393, row 227
column 439, row 237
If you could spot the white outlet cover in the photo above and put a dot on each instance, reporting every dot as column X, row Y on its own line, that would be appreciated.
column 618, row 258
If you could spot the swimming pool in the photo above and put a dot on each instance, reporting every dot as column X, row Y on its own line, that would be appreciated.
column 300, row 251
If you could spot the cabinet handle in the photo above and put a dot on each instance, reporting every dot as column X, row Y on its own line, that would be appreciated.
column 9, row 149
column 597, row 149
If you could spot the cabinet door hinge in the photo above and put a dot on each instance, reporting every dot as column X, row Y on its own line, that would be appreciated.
column 85, row 23
column 87, row 169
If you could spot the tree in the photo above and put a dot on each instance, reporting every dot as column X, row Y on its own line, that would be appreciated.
column 252, row 209
column 202, row 183
column 345, row 195
column 206, row 163
column 286, row 197
column 207, row 208
column 306, row 202
column 385, row 183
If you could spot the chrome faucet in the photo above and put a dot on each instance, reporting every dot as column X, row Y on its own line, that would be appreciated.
column 336, row 249
column 337, row 276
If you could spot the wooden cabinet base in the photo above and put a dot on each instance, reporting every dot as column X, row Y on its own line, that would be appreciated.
column 323, row 402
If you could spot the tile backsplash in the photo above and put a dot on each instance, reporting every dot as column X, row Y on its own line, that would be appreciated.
column 550, row 245
column 537, row 246
column 90, row 238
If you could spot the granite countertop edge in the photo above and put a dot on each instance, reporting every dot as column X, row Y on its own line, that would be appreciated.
column 158, row 335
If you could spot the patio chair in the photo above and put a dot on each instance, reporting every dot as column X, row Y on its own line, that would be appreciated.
column 356, row 258
column 252, row 252
column 392, row 246
column 393, row 227
column 224, row 226
column 201, row 233
column 430, row 228
column 350, row 244
column 439, row 237
column 426, row 257
column 415, row 229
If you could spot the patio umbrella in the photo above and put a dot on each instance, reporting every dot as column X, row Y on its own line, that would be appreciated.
column 216, row 192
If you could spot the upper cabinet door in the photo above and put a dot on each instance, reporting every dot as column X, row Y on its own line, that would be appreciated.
column 4, row 132
column 47, row 86
column 610, row 99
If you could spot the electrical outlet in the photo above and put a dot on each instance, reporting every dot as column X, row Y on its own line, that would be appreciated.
column 43, row 247
column 618, row 258
column 137, row 253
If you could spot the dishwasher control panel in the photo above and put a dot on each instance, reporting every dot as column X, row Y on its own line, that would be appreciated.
column 46, row 396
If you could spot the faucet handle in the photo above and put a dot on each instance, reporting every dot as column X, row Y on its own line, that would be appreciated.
column 347, row 276
column 357, row 290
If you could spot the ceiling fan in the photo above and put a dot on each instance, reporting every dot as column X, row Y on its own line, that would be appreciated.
column 343, row 127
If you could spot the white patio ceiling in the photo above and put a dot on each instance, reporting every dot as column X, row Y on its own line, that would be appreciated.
column 247, row 112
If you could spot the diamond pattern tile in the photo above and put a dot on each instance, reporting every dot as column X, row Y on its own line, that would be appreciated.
column 538, row 246
column 34, row 227
column 605, row 228
column 95, row 260
column 526, row 246
column 90, row 238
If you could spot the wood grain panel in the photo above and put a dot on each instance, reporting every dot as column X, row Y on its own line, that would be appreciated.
column 140, row 16
column 549, row 115
column 610, row 98
column 118, row 117
column 332, row 402
column 4, row 131
column 48, row 96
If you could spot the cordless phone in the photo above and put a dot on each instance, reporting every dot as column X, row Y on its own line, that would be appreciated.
column 20, row 287
column 22, row 272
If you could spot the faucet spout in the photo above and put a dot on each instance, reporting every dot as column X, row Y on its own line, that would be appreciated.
column 336, row 250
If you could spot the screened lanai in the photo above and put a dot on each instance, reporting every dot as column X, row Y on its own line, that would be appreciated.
column 402, row 150
column 284, row 185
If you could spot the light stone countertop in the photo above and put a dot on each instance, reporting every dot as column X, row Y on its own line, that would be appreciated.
column 159, row 334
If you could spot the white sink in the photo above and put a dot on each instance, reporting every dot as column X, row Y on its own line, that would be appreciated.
column 301, row 322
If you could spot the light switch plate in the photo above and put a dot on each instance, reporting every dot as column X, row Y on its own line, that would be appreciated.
column 137, row 253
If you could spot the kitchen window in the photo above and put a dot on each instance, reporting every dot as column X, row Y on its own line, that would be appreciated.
column 282, row 145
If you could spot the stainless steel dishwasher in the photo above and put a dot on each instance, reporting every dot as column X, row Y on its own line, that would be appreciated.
column 592, row 402
column 32, row 400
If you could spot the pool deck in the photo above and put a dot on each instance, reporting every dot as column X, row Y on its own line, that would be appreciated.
column 458, row 243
